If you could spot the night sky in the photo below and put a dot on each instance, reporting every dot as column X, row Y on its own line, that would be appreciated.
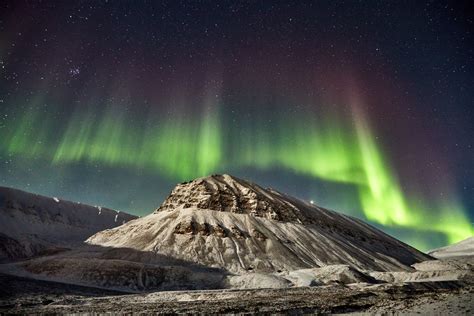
column 365, row 107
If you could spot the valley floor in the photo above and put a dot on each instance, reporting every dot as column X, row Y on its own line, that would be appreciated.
column 20, row 296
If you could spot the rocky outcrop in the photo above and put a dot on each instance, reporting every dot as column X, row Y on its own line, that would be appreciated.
column 228, row 194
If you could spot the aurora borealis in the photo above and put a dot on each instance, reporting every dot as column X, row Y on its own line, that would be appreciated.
column 113, row 103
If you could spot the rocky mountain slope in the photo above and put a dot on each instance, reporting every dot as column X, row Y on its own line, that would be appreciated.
column 32, row 224
column 463, row 248
column 225, row 222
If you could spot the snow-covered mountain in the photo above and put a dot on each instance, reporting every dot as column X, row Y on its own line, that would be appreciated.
column 32, row 224
column 464, row 248
column 225, row 222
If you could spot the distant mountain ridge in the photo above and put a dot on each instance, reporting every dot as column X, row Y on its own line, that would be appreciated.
column 225, row 222
column 464, row 248
column 32, row 224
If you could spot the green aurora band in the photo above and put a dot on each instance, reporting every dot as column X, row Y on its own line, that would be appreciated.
column 330, row 149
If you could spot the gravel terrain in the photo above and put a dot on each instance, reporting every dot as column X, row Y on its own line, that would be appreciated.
column 22, row 296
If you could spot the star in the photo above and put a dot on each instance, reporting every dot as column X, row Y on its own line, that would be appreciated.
column 74, row 72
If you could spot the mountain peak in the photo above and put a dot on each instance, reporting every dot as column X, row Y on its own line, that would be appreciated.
column 226, row 193
column 223, row 221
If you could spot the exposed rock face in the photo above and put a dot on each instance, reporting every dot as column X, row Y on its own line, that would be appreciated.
column 225, row 222
column 228, row 194
column 33, row 225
